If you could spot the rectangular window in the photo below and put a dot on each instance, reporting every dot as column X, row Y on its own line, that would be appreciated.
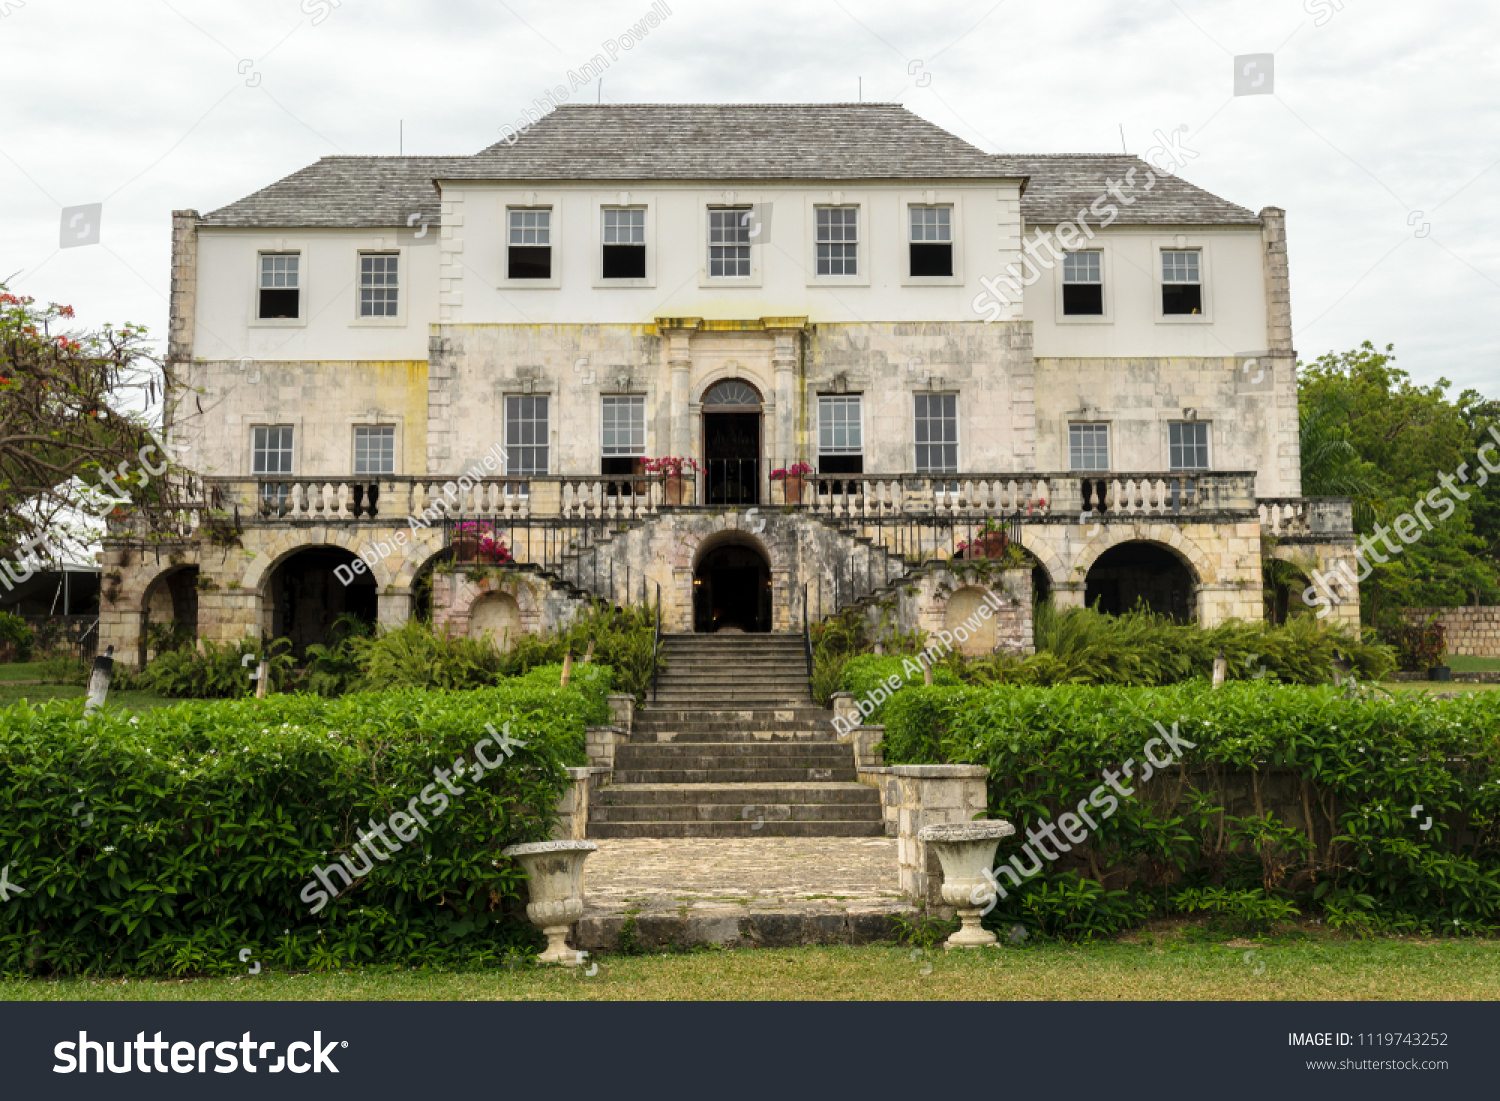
column 624, row 436
column 729, row 243
column 1188, row 444
column 375, row 449
column 530, row 253
column 273, row 450
column 378, row 284
column 841, row 444
column 838, row 240
column 1181, row 287
column 280, row 287
column 937, row 433
column 931, row 240
column 1083, row 282
column 625, row 244
column 1088, row 447
column 526, row 436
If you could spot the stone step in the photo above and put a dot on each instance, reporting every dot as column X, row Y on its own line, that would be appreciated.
column 736, row 795
column 687, row 699
column 634, row 754
column 768, row 774
column 746, row 828
column 627, row 761
column 769, row 718
column 746, row 812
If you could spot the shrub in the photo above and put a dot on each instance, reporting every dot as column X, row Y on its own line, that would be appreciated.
column 415, row 656
column 1358, row 765
column 623, row 639
column 1419, row 646
column 204, row 822
column 221, row 672
column 17, row 639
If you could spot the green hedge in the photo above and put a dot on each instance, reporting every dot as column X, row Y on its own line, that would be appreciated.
column 200, row 825
column 864, row 674
column 1358, row 765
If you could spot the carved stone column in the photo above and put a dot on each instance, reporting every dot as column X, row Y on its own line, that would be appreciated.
column 784, row 361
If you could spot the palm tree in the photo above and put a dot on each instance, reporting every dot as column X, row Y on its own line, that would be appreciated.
column 1331, row 467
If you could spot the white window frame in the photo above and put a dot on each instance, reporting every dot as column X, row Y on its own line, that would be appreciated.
column 513, row 448
column 385, row 431
column 956, row 442
column 719, row 202
column 1106, row 276
column 532, row 201
column 304, row 281
column 600, row 205
column 948, row 198
column 858, row 401
column 848, row 240
column 633, row 401
column 402, row 281
column 1208, row 446
column 1190, row 243
column 1108, row 448
column 255, row 449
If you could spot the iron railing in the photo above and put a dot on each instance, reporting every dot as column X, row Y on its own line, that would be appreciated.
column 656, row 645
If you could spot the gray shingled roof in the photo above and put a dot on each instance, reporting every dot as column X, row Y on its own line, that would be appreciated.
column 839, row 141
column 1062, row 184
column 778, row 141
column 343, row 192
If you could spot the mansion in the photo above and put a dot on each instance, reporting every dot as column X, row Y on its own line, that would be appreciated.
column 870, row 344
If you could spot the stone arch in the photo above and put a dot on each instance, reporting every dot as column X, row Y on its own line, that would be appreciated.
column 734, row 374
column 962, row 604
column 732, row 583
column 456, row 597
column 498, row 615
column 171, row 595
column 302, row 604
column 1133, row 572
column 260, row 570
column 1168, row 537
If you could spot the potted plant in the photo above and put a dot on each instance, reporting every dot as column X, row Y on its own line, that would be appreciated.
column 990, row 541
column 793, row 478
column 475, row 541
column 673, row 482
column 1419, row 647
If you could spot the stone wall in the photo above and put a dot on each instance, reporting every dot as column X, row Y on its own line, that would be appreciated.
column 1472, row 631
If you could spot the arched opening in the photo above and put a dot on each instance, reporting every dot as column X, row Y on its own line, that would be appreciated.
column 308, row 592
column 1283, row 582
column 731, row 444
column 732, row 589
column 1141, row 573
column 498, row 616
column 171, row 612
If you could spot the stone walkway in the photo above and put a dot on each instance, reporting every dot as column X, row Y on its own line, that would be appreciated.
column 741, row 892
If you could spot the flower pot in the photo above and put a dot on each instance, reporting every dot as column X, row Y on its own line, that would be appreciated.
column 675, row 490
column 465, row 548
column 966, row 851
column 791, row 489
column 988, row 544
column 554, row 874
column 1440, row 672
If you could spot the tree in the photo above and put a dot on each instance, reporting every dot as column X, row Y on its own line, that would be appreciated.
column 71, row 444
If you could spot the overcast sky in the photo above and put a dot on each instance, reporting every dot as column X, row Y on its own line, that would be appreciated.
column 1381, row 136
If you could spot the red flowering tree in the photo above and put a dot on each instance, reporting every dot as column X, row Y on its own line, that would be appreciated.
column 75, row 439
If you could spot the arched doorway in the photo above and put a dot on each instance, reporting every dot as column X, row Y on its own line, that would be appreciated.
column 1141, row 573
column 307, row 593
column 171, row 612
column 731, row 444
column 732, row 589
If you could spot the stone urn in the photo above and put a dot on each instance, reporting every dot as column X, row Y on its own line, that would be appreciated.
column 966, row 851
column 554, row 870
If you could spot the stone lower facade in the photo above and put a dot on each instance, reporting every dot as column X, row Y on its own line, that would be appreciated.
column 1471, row 631
column 273, row 578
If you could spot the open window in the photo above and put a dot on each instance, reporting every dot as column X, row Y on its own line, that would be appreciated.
column 623, row 443
column 624, row 241
column 280, row 288
column 529, row 248
column 931, row 242
column 1083, row 283
column 1181, row 281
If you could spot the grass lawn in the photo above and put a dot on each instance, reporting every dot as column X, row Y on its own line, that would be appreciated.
column 20, row 670
column 1153, row 967
column 1437, row 686
column 1467, row 663
column 36, row 693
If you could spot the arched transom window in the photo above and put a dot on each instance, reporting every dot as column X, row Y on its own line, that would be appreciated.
column 732, row 393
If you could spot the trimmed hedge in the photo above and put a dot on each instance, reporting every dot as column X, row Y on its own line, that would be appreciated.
column 1357, row 765
column 169, row 840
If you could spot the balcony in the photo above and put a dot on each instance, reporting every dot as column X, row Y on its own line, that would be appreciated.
column 1306, row 519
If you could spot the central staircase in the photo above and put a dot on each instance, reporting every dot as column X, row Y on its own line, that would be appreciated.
column 733, row 745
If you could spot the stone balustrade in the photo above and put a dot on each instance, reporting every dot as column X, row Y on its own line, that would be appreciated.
column 1305, row 517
